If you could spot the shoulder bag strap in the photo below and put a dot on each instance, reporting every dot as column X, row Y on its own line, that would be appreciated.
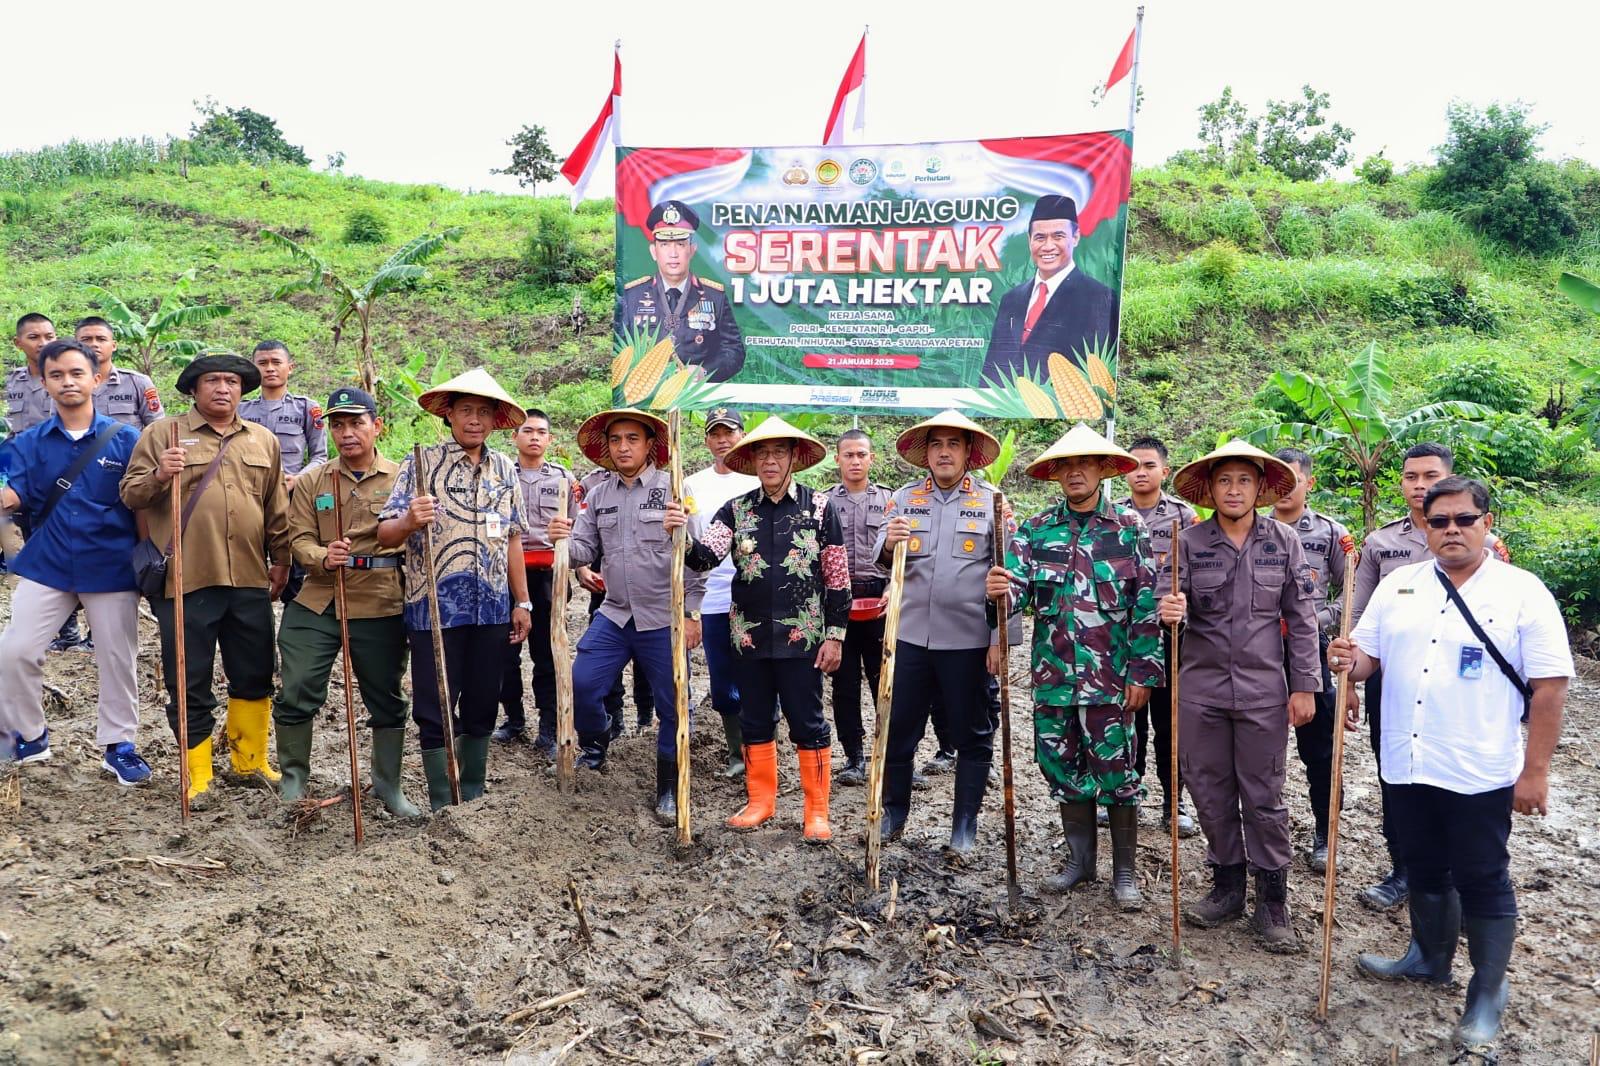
column 64, row 483
column 1477, row 630
column 199, row 489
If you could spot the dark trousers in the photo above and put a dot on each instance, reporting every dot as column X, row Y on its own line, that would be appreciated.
column 1314, row 743
column 956, row 678
column 796, row 685
column 602, row 653
column 236, row 621
column 310, row 647
column 720, row 663
column 1154, row 721
column 544, row 663
column 644, row 702
column 472, row 659
column 862, row 655
column 1374, row 708
column 1452, row 839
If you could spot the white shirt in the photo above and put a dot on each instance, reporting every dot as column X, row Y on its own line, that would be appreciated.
column 1440, row 728
column 710, row 490
column 1051, row 284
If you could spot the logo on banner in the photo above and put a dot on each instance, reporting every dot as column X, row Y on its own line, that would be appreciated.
column 828, row 171
column 863, row 171
column 796, row 175
column 895, row 172
column 933, row 170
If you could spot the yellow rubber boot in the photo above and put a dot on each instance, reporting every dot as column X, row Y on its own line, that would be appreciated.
column 199, row 760
column 247, row 738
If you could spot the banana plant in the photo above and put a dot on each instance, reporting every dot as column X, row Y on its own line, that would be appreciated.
column 1584, row 371
column 356, row 302
column 160, row 335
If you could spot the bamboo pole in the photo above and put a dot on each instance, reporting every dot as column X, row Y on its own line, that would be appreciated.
column 1002, row 609
column 680, row 664
column 420, row 483
column 1172, row 814
column 344, row 653
column 566, row 740
column 1336, row 786
column 880, row 730
column 180, row 658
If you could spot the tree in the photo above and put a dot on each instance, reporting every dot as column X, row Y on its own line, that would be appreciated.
column 532, row 160
column 1298, row 142
column 1490, row 175
column 1349, row 418
column 249, row 133
column 1584, row 371
column 1227, row 131
column 357, row 302
column 159, row 334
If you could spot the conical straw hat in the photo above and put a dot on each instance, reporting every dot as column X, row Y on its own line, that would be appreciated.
column 1081, row 440
column 475, row 382
column 913, row 443
column 592, row 435
column 808, row 450
column 1278, row 478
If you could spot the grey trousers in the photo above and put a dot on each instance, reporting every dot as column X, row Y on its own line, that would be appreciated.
column 1232, row 762
column 37, row 612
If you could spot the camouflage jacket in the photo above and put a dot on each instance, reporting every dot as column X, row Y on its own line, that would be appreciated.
column 1091, row 588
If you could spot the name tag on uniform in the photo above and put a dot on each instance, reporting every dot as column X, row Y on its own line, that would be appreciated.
column 492, row 521
column 325, row 502
column 1471, row 666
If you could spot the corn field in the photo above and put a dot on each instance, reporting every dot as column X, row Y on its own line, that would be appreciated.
column 25, row 171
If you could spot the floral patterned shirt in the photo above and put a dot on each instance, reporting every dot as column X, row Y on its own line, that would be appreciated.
column 791, row 585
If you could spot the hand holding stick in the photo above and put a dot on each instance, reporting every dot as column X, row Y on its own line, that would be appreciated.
column 1336, row 786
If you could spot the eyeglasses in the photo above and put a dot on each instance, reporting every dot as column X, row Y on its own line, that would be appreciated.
column 1464, row 521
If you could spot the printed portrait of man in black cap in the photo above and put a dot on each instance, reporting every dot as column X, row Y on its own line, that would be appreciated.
column 694, row 311
column 1059, row 309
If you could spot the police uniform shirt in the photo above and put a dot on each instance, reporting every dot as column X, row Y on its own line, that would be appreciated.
column 862, row 518
column 129, row 397
column 621, row 525
column 369, row 592
column 541, row 488
column 27, row 404
column 297, row 423
column 1158, row 522
column 1319, row 540
column 702, row 327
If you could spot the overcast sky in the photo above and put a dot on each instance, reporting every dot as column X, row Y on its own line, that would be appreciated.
column 429, row 92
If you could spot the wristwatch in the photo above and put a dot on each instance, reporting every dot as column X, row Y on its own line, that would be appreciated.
column 693, row 616
column 526, row 605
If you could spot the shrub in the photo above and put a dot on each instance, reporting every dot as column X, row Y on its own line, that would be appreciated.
column 1558, row 544
column 1518, row 445
column 1218, row 263
column 1355, row 230
column 365, row 226
column 1299, row 233
column 1376, row 170
column 15, row 207
column 1481, row 378
column 602, row 288
column 1532, row 212
column 550, row 254
column 1236, row 220
column 1434, row 300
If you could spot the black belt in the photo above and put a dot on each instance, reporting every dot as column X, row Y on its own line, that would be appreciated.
column 374, row 562
column 872, row 587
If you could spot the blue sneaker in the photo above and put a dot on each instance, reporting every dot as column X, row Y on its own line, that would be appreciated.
column 36, row 750
column 123, row 761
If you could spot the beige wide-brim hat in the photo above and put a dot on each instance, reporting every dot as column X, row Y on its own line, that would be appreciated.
column 475, row 382
column 913, row 443
column 1081, row 440
column 593, row 442
column 808, row 450
column 1278, row 478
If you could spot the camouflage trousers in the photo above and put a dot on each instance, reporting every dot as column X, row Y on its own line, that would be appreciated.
column 1087, row 754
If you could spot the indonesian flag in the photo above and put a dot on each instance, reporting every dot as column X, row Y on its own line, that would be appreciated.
column 1124, row 63
column 607, row 129
column 852, row 91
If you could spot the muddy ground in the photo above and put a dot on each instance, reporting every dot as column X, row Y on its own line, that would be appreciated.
column 124, row 937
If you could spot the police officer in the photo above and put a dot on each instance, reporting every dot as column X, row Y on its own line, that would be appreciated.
column 27, row 403
column 126, row 395
column 946, row 643
column 1320, row 540
column 294, row 419
column 860, row 505
column 1243, row 577
column 692, row 310
column 308, row 639
column 644, row 704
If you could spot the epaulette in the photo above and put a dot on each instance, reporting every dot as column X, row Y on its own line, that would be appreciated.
column 708, row 283
column 17, row 370
column 638, row 281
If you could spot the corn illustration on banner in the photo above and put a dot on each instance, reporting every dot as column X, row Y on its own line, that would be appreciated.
column 980, row 275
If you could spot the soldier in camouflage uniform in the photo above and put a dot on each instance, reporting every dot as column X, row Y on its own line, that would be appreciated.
column 1086, row 570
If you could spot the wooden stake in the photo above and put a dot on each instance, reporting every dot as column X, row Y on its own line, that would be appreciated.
column 1341, row 684
column 1002, row 611
column 560, row 651
column 880, row 731
column 680, row 665
column 420, row 484
column 344, row 651
column 181, row 659
column 1172, row 815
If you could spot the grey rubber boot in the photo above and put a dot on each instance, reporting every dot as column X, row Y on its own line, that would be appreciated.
column 1077, row 823
column 435, row 765
column 388, row 748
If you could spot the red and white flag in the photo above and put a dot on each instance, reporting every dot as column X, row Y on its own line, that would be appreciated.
column 600, row 138
column 852, row 93
column 1124, row 63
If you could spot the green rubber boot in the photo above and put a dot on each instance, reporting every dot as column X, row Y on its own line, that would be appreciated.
column 435, row 767
column 472, row 763
column 294, row 760
column 735, row 737
column 388, row 747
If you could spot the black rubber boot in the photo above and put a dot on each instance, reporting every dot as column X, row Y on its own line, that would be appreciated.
column 666, row 790
column 733, row 732
column 1489, row 942
column 435, row 767
column 896, row 801
column 1077, row 824
column 1124, row 852
column 854, row 771
column 1435, row 930
column 1388, row 893
column 592, row 749
column 972, row 778
column 472, row 763
column 1224, row 902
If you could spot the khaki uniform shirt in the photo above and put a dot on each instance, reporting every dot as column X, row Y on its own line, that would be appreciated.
column 862, row 519
column 1233, row 645
column 367, row 593
column 541, row 487
column 242, row 509
column 27, row 404
column 129, row 397
column 1319, row 539
column 297, row 423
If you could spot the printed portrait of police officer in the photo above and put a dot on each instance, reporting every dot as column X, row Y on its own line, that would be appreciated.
column 1059, row 309
column 694, row 311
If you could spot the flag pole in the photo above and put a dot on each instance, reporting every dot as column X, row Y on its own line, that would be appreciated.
column 1133, row 108
column 861, row 104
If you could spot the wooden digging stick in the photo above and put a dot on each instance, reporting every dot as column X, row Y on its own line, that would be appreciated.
column 1341, row 684
column 452, row 771
column 880, row 729
column 566, row 741
column 1002, row 610
column 344, row 650
column 1172, row 815
column 680, row 663
column 180, row 663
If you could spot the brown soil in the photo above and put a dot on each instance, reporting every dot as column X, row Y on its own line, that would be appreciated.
column 126, row 937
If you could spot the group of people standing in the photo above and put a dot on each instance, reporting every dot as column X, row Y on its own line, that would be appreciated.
column 785, row 585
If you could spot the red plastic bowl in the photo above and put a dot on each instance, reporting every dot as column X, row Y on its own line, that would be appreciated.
column 868, row 608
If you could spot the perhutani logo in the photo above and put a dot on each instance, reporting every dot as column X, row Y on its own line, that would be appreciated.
column 932, row 171
column 933, row 165
column 863, row 171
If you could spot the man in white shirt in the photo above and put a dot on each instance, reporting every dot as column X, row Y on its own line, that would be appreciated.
column 709, row 490
column 1452, row 749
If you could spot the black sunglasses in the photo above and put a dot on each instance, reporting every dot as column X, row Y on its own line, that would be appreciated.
column 1442, row 521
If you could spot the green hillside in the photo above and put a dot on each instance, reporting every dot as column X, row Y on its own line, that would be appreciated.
column 1228, row 280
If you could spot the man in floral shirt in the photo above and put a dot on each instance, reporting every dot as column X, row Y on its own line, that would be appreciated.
column 791, row 604
column 1086, row 570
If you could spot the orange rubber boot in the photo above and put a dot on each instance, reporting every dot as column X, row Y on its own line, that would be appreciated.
column 760, row 785
column 816, row 773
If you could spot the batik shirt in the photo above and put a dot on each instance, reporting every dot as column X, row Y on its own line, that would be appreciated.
column 791, row 582
column 1089, row 580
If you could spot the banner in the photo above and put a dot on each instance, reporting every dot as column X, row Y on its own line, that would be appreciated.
column 980, row 275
